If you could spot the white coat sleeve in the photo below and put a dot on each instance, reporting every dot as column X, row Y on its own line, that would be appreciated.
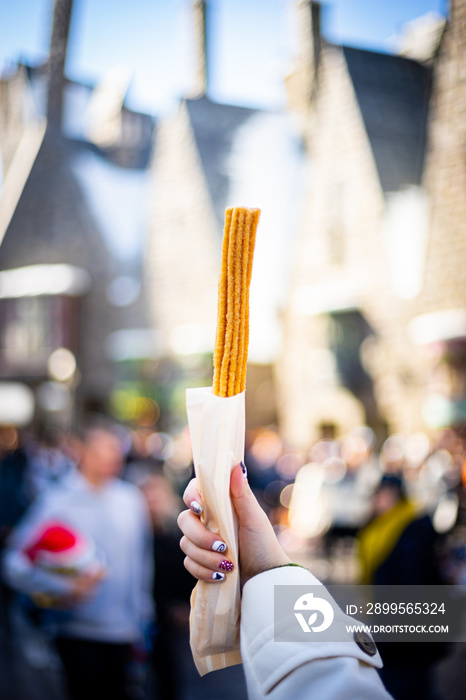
column 300, row 670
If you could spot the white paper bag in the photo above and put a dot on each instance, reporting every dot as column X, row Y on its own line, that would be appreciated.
column 217, row 427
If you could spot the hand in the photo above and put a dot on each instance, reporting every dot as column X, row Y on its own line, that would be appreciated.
column 83, row 586
column 259, row 549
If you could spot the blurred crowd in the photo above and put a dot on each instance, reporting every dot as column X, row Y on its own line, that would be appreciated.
column 352, row 513
column 85, row 520
column 321, row 500
column 348, row 509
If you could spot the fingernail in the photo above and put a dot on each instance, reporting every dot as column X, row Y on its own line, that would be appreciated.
column 244, row 470
column 226, row 565
column 217, row 576
column 196, row 507
column 218, row 546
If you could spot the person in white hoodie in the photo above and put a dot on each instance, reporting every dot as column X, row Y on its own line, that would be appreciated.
column 106, row 607
column 276, row 670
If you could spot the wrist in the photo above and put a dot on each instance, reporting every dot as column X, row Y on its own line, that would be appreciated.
column 273, row 568
column 261, row 566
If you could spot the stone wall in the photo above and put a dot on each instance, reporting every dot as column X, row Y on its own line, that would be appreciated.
column 445, row 177
column 338, row 255
column 183, row 257
column 12, row 115
column 341, row 260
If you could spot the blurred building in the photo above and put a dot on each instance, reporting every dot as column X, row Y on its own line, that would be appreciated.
column 375, row 319
column 376, row 322
column 72, row 206
column 205, row 158
column 440, row 322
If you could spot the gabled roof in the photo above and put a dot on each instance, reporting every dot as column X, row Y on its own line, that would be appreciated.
column 393, row 96
column 215, row 127
column 109, row 183
column 134, row 148
column 19, row 172
column 51, row 222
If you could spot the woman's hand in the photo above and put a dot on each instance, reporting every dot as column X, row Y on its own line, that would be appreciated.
column 259, row 549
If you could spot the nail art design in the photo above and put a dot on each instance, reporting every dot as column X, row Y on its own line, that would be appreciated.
column 218, row 546
column 217, row 576
column 244, row 470
column 226, row 565
column 196, row 507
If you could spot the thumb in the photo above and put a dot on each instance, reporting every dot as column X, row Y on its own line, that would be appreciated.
column 259, row 549
column 248, row 510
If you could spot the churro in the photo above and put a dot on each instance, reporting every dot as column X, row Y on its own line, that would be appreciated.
column 232, row 337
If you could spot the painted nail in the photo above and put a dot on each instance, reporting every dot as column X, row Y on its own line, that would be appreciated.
column 226, row 565
column 244, row 470
column 218, row 546
column 196, row 507
column 217, row 576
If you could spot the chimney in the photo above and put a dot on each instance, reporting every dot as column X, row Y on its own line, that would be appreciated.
column 56, row 62
column 302, row 81
column 200, row 39
column 310, row 42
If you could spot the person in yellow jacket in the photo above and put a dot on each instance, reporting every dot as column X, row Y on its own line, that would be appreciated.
column 398, row 547
column 393, row 512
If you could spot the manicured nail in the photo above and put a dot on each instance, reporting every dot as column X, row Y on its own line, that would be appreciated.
column 218, row 546
column 217, row 576
column 196, row 507
column 226, row 565
column 244, row 470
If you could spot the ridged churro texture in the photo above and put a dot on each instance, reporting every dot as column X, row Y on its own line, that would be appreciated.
column 232, row 339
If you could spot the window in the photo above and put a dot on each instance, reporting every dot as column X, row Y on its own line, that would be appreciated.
column 30, row 329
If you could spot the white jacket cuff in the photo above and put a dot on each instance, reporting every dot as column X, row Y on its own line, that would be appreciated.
column 271, row 661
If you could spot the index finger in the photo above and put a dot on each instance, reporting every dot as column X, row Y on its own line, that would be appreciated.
column 192, row 497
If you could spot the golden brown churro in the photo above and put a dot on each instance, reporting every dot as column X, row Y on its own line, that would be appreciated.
column 232, row 338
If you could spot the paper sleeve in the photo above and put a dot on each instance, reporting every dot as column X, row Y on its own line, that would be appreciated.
column 217, row 427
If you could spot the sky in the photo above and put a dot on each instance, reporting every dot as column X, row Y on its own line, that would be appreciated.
column 251, row 42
